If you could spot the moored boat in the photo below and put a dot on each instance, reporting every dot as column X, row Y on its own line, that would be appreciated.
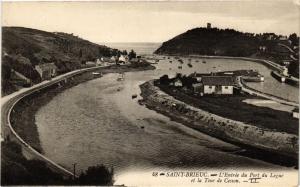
column 278, row 76
column 97, row 74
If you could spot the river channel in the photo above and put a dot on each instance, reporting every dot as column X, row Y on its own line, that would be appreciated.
column 97, row 122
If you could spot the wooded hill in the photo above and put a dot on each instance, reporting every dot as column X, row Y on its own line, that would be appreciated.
column 23, row 48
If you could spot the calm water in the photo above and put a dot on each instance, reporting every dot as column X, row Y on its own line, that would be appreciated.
column 98, row 122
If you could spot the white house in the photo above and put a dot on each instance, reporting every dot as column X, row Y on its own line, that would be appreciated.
column 217, row 84
column 296, row 113
column 101, row 62
column 177, row 83
column 124, row 59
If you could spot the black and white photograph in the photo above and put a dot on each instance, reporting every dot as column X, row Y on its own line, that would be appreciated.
column 150, row 93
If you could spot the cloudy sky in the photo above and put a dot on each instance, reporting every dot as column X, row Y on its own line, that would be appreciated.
column 152, row 21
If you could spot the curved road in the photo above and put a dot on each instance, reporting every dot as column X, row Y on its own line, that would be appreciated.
column 7, row 104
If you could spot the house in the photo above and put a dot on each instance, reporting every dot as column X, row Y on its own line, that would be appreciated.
column 90, row 63
column 283, row 38
column 113, row 59
column 123, row 59
column 295, row 113
column 176, row 82
column 285, row 63
column 197, row 87
column 217, row 84
column 102, row 62
column 47, row 70
column 269, row 36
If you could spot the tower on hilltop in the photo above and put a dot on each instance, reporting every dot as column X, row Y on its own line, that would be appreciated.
column 208, row 25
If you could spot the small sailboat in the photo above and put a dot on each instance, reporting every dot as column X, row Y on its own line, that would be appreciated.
column 97, row 74
column 121, row 77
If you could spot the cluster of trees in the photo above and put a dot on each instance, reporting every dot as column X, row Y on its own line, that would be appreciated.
column 211, row 42
column 294, row 39
column 227, row 42
column 187, row 81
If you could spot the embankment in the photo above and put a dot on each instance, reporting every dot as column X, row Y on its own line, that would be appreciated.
column 217, row 126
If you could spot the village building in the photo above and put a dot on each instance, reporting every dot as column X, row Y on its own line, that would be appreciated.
column 113, row 59
column 295, row 113
column 90, row 63
column 197, row 87
column 123, row 59
column 46, row 71
column 176, row 82
column 217, row 84
column 102, row 62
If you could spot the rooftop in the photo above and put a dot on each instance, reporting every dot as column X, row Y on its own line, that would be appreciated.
column 218, row 80
column 47, row 66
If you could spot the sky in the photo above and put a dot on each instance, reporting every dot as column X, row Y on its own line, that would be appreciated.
column 103, row 22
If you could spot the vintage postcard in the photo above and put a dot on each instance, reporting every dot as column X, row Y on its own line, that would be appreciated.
column 150, row 93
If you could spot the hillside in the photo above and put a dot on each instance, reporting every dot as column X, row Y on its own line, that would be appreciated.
column 229, row 42
column 23, row 48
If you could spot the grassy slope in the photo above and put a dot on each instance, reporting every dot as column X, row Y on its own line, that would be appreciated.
column 23, row 48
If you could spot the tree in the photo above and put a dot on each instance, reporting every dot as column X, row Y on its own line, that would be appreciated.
column 132, row 54
column 188, row 81
column 96, row 175
column 164, row 79
column 80, row 53
column 178, row 75
column 294, row 39
column 124, row 52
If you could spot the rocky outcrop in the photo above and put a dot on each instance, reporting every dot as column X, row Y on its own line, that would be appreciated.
column 217, row 126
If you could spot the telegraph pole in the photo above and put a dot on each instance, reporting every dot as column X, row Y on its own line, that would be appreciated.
column 74, row 171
